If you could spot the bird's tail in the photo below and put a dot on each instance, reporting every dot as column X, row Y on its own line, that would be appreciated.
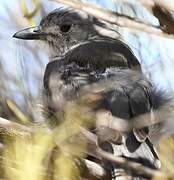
column 145, row 155
column 160, row 120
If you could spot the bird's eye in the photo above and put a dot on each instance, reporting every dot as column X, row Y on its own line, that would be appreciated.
column 65, row 28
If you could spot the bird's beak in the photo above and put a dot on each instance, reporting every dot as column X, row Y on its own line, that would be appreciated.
column 32, row 33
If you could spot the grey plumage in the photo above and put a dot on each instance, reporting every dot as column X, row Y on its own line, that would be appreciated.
column 130, row 97
column 83, row 57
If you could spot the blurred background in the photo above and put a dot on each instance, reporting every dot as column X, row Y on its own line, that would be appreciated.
column 22, row 64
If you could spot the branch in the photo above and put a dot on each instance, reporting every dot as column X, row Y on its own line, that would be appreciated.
column 166, row 4
column 13, row 129
column 162, row 9
column 115, row 18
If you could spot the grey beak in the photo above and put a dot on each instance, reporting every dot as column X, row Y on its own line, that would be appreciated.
column 28, row 33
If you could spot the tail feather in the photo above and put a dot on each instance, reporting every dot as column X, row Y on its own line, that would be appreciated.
column 145, row 154
column 160, row 120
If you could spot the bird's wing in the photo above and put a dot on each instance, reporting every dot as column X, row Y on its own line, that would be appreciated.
column 130, row 96
column 124, row 93
column 103, row 53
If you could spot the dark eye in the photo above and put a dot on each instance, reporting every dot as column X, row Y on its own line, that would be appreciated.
column 65, row 28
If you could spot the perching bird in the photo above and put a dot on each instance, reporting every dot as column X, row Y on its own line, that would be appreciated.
column 82, row 56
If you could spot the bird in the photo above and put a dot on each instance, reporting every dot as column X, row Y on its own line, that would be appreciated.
column 81, row 57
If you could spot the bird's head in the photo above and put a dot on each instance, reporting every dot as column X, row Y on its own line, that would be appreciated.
column 61, row 29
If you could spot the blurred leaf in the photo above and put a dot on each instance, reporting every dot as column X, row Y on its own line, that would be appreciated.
column 24, row 157
column 166, row 149
column 30, row 15
column 17, row 112
column 68, row 169
column 52, row 153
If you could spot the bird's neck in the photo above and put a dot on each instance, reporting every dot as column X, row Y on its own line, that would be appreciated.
column 55, row 52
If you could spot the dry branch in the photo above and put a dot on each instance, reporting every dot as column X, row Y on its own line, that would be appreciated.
column 165, row 4
column 13, row 129
column 164, row 11
column 115, row 18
